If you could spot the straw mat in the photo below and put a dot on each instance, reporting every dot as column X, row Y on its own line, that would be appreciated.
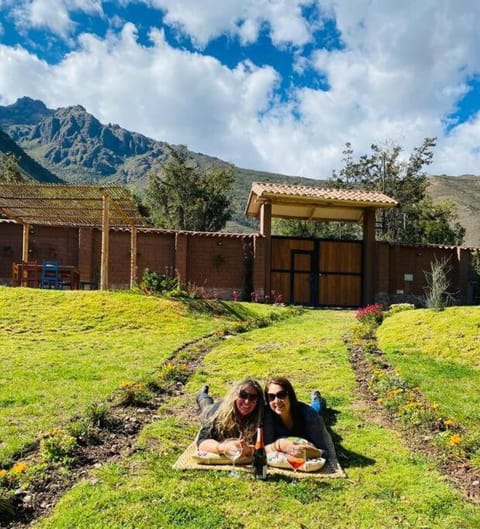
column 332, row 468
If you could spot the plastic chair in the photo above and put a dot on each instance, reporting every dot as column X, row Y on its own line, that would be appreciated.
column 51, row 277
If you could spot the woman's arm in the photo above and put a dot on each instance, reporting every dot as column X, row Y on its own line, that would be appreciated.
column 220, row 447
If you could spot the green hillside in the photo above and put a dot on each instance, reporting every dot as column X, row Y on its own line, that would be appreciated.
column 464, row 192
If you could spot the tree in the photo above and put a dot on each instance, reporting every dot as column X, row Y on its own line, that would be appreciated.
column 184, row 196
column 417, row 219
column 10, row 170
column 318, row 229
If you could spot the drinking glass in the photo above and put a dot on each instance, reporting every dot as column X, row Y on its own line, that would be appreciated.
column 296, row 462
column 233, row 453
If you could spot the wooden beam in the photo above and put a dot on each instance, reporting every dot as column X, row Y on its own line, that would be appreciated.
column 25, row 242
column 105, row 243
column 133, row 257
column 266, row 231
column 369, row 257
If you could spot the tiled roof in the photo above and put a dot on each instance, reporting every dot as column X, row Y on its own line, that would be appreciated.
column 315, row 203
column 347, row 195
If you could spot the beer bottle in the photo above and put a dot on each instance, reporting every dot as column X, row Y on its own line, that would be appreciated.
column 259, row 466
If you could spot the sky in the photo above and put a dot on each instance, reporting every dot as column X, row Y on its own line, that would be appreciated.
column 273, row 85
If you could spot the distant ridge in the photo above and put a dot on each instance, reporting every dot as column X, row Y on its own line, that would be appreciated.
column 69, row 144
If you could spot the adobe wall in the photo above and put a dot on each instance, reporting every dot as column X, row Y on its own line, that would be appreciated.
column 219, row 263
column 45, row 243
column 401, row 272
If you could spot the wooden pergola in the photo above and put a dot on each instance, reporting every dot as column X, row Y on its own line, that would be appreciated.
column 268, row 200
column 77, row 206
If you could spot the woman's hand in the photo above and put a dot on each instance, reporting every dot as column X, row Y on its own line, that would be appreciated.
column 292, row 448
column 233, row 445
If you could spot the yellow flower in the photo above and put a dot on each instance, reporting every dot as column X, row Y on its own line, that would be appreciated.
column 20, row 467
column 448, row 422
column 126, row 384
column 455, row 439
column 3, row 473
column 379, row 401
column 435, row 406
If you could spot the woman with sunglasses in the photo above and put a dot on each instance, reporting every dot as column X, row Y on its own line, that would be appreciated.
column 236, row 416
column 286, row 417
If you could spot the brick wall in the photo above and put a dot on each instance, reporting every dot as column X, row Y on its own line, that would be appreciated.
column 217, row 262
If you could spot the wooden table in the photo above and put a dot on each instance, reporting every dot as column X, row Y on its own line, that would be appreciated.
column 29, row 274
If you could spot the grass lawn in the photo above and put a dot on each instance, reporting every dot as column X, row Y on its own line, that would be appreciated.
column 386, row 486
column 63, row 350
column 440, row 353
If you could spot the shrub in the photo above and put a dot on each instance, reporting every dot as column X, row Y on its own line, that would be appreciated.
column 370, row 314
column 98, row 414
column 173, row 372
column 437, row 295
column 134, row 394
column 58, row 446
column 154, row 283
column 398, row 307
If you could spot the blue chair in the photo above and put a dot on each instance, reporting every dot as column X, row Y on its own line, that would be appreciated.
column 51, row 277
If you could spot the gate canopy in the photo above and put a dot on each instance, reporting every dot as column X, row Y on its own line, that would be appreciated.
column 314, row 203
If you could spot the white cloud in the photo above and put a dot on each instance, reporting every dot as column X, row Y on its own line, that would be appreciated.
column 167, row 94
column 401, row 73
column 209, row 19
column 53, row 15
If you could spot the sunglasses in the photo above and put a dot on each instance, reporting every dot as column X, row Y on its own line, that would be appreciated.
column 281, row 395
column 245, row 395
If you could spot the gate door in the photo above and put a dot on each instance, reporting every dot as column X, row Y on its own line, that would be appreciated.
column 302, row 278
column 340, row 273
column 317, row 272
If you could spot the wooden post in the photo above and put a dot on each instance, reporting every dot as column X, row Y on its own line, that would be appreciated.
column 266, row 231
column 105, row 243
column 133, row 257
column 369, row 257
column 25, row 242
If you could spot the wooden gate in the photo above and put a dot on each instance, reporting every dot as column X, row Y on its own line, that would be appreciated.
column 317, row 272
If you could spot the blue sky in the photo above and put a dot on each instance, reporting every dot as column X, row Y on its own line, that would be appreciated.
column 276, row 85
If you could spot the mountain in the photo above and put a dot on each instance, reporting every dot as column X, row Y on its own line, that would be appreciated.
column 464, row 192
column 78, row 148
column 29, row 168
column 75, row 147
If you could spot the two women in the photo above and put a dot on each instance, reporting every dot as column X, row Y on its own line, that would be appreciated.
column 238, row 415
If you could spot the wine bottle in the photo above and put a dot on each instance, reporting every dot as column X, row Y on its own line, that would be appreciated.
column 259, row 466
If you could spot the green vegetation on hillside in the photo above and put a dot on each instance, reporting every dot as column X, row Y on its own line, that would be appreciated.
column 440, row 353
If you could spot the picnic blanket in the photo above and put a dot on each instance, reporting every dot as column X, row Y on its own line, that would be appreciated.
column 331, row 469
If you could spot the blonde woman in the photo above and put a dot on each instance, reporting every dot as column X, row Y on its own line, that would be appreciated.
column 236, row 416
